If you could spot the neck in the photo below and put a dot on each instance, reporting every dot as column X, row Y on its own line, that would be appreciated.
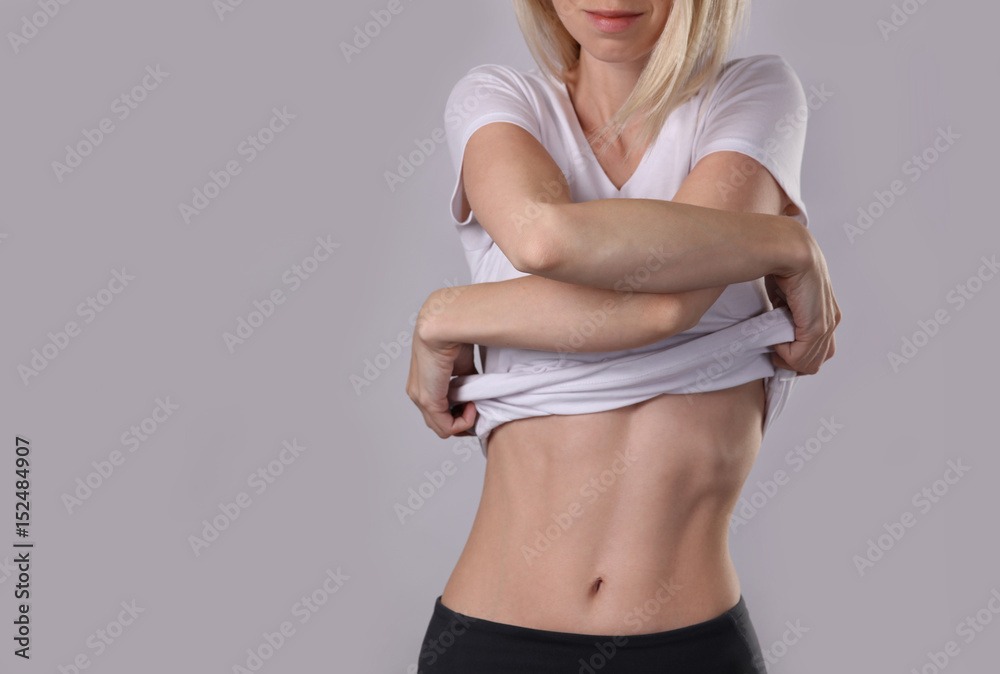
column 598, row 88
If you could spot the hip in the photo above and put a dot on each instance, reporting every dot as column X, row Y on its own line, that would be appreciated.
column 455, row 643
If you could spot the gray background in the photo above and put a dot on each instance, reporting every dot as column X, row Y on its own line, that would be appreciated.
column 334, row 506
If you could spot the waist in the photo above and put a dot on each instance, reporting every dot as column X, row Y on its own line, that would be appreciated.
column 587, row 518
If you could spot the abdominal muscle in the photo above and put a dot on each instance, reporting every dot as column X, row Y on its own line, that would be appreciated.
column 611, row 523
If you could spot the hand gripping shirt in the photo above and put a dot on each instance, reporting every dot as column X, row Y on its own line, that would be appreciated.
column 758, row 108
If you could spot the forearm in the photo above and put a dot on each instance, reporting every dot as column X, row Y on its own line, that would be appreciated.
column 665, row 246
column 532, row 312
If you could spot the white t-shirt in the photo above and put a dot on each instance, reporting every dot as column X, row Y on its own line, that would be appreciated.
column 758, row 107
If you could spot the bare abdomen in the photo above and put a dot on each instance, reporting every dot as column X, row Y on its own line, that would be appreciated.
column 614, row 522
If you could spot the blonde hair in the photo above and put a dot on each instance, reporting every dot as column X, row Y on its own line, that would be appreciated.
column 689, row 55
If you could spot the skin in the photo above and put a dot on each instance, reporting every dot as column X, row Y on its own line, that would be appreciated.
column 645, row 492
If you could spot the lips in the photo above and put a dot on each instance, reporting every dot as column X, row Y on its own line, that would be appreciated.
column 612, row 20
column 612, row 13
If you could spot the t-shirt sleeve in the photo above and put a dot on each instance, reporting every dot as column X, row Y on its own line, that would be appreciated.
column 758, row 108
column 486, row 93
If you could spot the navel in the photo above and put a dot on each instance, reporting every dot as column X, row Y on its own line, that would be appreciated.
column 596, row 585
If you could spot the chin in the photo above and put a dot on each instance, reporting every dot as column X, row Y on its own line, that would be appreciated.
column 631, row 45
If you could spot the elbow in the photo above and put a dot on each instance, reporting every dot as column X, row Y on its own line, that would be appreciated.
column 538, row 248
column 682, row 315
column 664, row 315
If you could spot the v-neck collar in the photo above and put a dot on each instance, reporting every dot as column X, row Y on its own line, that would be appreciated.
column 581, row 139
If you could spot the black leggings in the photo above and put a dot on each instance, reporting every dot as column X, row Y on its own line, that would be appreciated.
column 459, row 644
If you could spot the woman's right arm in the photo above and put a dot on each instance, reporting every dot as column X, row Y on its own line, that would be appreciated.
column 534, row 312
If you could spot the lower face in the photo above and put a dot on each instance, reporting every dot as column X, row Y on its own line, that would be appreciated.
column 614, row 32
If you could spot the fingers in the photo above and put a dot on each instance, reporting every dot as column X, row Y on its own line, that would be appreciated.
column 439, row 422
column 801, row 357
column 428, row 389
column 783, row 352
column 464, row 421
column 815, row 326
column 832, row 349
column 778, row 361
column 461, row 424
column 446, row 425
column 804, row 357
column 470, row 418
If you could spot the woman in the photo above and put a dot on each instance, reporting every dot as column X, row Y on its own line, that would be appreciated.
column 600, row 543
